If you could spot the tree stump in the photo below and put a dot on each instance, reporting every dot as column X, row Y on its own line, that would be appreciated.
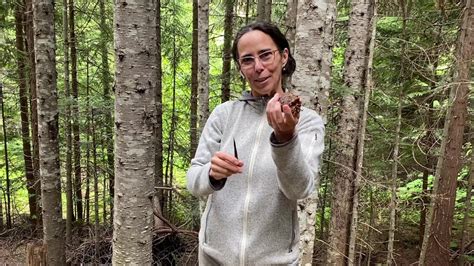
column 35, row 254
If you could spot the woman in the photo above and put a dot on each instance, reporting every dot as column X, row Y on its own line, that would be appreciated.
column 255, row 160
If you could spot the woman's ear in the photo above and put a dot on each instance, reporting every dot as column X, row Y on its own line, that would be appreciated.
column 284, row 57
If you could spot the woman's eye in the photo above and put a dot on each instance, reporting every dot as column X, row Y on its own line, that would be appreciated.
column 266, row 55
column 246, row 60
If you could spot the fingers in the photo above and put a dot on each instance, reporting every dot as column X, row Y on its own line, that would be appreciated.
column 224, row 165
column 280, row 117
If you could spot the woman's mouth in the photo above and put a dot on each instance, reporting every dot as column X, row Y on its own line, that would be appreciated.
column 262, row 80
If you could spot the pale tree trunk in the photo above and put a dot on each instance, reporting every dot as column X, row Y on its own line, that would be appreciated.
column 25, row 128
column 393, row 185
column 106, row 84
column 355, row 65
column 440, row 218
column 226, row 50
column 290, row 23
column 67, row 92
column 203, row 71
column 135, row 118
column 405, row 9
column 313, row 52
column 76, row 116
column 361, row 136
column 264, row 10
column 53, row 225
column 158, row 199
column 33, row 108
column 465, row 232
column 96, row 184
column 193, row 132
column 88, row 149
column 203, row 62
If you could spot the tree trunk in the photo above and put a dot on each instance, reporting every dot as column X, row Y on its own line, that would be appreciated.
column 194, row 136
column 312, row 77
column 314, row 54
column 264, row 10
column 96, row 186
column 158, row 200
column 438, row 228
column 25, row 128
column 405, row 10
column 465, row 232
column 361, row 137
column 135, row 118
column 226, row 50
column 67, row 90
column 355, row 65
column 393, row 185
column 88, row 150
column 33, row 108
column 203, row 62
column 53, row 225
column 106, row 83
column 290, row 23
column 76, row 117
column 7, row 170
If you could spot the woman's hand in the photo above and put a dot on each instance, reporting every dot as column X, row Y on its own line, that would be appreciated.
column 280, row 119
column 224, row 165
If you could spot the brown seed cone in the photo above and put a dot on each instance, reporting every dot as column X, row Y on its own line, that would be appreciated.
column 293, row 101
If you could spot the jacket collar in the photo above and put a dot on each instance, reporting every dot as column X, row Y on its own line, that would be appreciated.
column 248, row 97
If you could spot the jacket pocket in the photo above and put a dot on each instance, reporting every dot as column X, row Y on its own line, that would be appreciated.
column 293, row 230
column 209, row 203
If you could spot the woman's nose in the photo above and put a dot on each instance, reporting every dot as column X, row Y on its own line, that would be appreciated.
column 258, row 65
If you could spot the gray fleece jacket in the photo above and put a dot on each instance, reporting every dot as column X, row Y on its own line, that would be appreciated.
column 250, row 218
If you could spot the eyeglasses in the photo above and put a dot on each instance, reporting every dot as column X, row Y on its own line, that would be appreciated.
column 266, row 58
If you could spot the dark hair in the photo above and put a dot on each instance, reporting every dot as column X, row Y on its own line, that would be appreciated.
column 278, row 38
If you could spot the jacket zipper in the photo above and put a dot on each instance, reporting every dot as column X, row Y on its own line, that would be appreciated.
column 247, row 196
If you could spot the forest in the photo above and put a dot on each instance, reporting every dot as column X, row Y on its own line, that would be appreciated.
column 103, row 102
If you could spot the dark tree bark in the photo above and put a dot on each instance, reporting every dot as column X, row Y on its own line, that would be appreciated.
column 355, row 66
column 158, row 200
column 75, row 117
column 88, row 150
column 106, row 83
column 24, row 113
column 7, row 168
column 194, row 84
column 33, row 108
column 226, row 50
column 67, row 91
column 437, row 236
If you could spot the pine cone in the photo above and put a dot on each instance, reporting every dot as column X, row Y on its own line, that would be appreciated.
column 293, row 101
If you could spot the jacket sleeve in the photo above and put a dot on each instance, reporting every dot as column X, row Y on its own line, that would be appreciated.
column 298, row 160
column 198, row 181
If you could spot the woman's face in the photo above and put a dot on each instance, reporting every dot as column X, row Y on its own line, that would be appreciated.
column 261, row 62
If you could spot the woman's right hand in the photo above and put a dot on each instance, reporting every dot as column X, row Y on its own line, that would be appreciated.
column 224, row 165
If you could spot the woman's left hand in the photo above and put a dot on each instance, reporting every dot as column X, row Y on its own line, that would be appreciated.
column 280, row 119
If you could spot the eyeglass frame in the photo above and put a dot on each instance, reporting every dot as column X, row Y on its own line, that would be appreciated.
column 255, row 58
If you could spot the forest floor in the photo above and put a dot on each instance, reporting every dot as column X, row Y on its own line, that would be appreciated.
column 180, row 248
column 12, row 254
